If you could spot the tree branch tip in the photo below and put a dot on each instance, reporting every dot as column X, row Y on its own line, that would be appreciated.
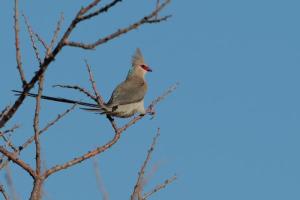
column 157, row 20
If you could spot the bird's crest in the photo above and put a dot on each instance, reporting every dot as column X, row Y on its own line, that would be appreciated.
column 137, row 58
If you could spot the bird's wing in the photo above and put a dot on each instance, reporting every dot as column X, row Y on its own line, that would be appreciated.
column 129, row 91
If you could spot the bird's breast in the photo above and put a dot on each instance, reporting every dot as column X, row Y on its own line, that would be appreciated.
column 128, row 110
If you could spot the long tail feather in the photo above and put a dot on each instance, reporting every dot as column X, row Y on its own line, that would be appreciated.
column 58, row 99
column 97, row 110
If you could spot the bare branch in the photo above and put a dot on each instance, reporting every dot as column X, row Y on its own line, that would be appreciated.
column 9, row 130
column 118, row 132
column 31, row 34
column 157, row 20
column 60, row 116
column 4, row 111
column 36, row 192
column 89, row 7
column 103, row 148
column 100, row 10
column 99, row 98
column 157, row 5
column 144, row 20
column 64, row 41
column 164, row 95
column 7, row 140
column 43, row 67
column 58, row 27
column 99, row 180
column 138, row 188
column 86, row 156
column 80, row 89
column 31, row 139
column 159, row 187
column 10, row 183
column 93, row 83
column 18, row 161
column 17, row 43
column 39, row 38
column 8, row 143
column 3, row 192
column 36, row 127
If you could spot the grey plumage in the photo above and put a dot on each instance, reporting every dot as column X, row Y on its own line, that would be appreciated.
column 137, row 58
column 126, row 99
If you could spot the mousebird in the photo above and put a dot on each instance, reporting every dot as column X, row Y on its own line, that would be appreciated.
column 127, row 98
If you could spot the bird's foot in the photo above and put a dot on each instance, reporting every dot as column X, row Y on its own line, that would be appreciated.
column 152, row 113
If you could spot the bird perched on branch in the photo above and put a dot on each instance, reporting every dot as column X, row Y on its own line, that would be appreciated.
column 126, row 99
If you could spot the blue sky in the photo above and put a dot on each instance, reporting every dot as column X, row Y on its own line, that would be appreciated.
column 230, row 131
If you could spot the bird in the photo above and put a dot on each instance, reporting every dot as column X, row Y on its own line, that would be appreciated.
column 127, row 98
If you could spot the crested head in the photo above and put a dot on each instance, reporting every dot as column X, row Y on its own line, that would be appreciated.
column 139, row 67
column 138, row 58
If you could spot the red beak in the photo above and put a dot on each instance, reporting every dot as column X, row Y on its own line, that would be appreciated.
column 146, row 68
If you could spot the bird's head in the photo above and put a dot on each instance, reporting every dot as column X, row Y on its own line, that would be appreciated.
column 139, row 67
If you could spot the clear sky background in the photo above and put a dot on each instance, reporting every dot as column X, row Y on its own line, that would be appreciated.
column 231, row 131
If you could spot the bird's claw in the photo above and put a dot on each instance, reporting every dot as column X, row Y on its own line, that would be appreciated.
column 152, row 113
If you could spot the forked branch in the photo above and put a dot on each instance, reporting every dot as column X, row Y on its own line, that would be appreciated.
column 18, row 161
column 159, row 187
column 17, row 43
column 138, row 188
column 110, row 143
column 151, row 18
column 64, row 41
column 141, row 181
column 3, row 192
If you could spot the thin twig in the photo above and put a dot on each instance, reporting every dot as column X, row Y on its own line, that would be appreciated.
column 138, row 188
column 9, row 143
column 50, row 124
column 31, row 34
column 80, row 89
column 36, row 127
column 152, row 172
column 43, row 67
column 58, row 27
column 100, row 10
column 10, row 183
column 4, row 111
column 84, row 157
column 63, row 42
column 94, row 86
column 99, row 180
column 89, row 7
column 39, row 38
column 3, row 192
column 18, row 161
column 157, row 20
column 110, row 143
column 99, row 98
column 17, row 43
column 12, row 129
column 147, row 19
column 31, row 139
column 157, row 5
column 159, row 187
column 36, row 192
